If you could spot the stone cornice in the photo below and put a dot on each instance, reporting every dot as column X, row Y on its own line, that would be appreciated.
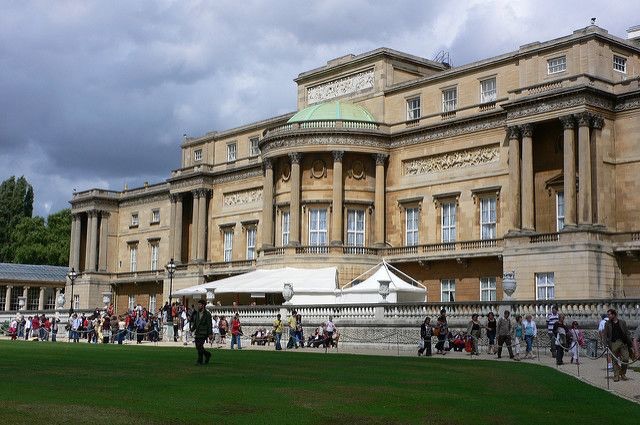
column 285, row 143
column 559, row 100
column 628, row 101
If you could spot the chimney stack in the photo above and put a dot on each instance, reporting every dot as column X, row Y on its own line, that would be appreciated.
column 633, row 34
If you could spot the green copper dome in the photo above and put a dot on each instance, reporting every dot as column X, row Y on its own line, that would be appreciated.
column 335, row 110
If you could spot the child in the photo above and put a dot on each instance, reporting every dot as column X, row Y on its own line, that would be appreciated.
column 519, row 334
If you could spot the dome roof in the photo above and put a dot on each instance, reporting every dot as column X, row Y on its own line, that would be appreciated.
column 334, row 110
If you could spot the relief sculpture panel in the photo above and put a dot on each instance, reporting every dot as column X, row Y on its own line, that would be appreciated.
column 450, row 160
column 340, row 87
column 243, row 197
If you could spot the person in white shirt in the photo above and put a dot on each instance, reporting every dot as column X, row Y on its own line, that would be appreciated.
column 530, row 332
column 215, row 322
column 185, row 328
column 27, row 328
column 601, row 326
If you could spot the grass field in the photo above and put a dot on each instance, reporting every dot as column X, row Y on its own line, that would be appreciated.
column 45, row 383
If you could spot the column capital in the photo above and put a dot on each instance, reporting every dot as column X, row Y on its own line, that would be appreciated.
column 597, row 121
column 295, row 157
column 267, row 164
column 174, row 197
column 9, row 286
column 583, row 119
column 200, row 193
column 92, row 213
column 568, row 122
column 105, row 214
column 380, row 158
column 514, row 132
column 337, row 156
column 526, row 130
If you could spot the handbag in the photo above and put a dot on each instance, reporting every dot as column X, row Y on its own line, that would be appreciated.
column 421, row 344
column 446, row 344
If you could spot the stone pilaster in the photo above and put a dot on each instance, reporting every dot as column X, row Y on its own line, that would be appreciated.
column 194, row 225
column 267, row 204
column 94, row 241
column 202, row 224
column 7, row 303
column 104, row 235
column 337, row 199
column 514, row 178
column 596, row 173
column 294, row 230
column 585, row 214
column 72, row 241
column 528, row 208
column 378, row 205
column 177, row 242
column 41, row 298
column 569, row 171
column 172, row 224
column 75, row 259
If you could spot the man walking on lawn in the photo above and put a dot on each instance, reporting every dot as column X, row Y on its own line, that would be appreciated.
column 618, row 340
column 504, row 334
column 201, row 328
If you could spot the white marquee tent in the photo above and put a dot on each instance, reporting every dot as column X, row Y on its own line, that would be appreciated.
column 401, row 289
column 310, row 286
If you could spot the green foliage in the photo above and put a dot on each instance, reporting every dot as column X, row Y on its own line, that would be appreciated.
column 16, row 203
column 26, row 239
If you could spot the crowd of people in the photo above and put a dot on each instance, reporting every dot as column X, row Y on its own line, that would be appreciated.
column 41, row 328
column 563, row 337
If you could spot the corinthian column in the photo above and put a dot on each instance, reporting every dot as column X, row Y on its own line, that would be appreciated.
column 41, row 298
column 267, row 204
column 336, row 217
column 72, row 241
column 514, row 177
column 194, row 225
column 294, row 231
column 596, row 173
column 172, row 224
column 75, row 259
column 88, row 248
column 94, row 241
column 177, row 241
column 528, row 220
column 569, row 150
column 7, row 303
column 585, row 215
column 378, row 205
column 202, row 224
column 104, row 231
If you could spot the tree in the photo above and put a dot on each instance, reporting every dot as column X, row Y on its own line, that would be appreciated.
column 37, row 242
column 16, row 203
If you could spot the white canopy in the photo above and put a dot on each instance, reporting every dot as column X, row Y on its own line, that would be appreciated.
column 367, row 291
column 310, row 286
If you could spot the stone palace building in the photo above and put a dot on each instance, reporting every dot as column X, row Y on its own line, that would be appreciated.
column 527, row 162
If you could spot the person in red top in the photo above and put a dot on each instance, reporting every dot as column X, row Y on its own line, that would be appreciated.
column 236, row 331
column 35, row 327
column 176, row 321
column 47, row 329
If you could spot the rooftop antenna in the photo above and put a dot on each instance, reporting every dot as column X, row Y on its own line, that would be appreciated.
column 443, row 57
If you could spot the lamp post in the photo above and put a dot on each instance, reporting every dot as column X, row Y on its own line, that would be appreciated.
column 171, row 269
column 72, row 275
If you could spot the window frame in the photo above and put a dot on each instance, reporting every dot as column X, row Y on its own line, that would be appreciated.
column 133, row 258
column 488, row 285
column 321, row 233
column 560, row 218
column 153, row 303
column 545, row 285
column 131, row 302
column 412, row 233
column 624, row 64
column 155, row 255
column 353, row 217
column 448, row 103
column 232, row 152
column 254, row 150
column 561, row 66
column 483, row 99
column 227, row 239
column 414, row 112
column 76, row 302
column 450, row 290
column 135, row 219
column 285, row 230
column 155, row 216
column 447, row 229
column 493, row 223
column 251, row 243
column 197, row 155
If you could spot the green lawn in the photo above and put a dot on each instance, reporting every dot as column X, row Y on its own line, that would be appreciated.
column 46, row 383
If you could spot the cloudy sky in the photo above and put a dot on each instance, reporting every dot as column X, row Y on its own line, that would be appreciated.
column 99, row 93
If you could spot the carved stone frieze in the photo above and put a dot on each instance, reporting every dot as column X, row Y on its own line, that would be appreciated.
column 450, row 160
column 628, row 103
column 243, row 197
column 340, row 87
column 323, row 140
column 558, row 103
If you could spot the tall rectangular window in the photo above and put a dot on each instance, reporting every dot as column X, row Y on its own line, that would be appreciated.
column 412, row 221
column 197, row 155
column 155, row 215
column 487, row 289
column 448, row 290
column 231, row 152
column 449, row 222
column 620, row 64
column 449, row 99
column 556, row 65
column 3, row 297
column 228, row 245
column 135, row 219
column 488, row 218
column 33, row 297
column 132, row 302
column 355, row 227
column 76, row 302
column 155, row 250
column 545, row 286
column 488, row 90
column 133, row 257
column 317, row 227
column 50, row 299
column 14, row 302
column 253, row 146
column 251, row 243
column 413, row 108
column 285, row 228
column 559, row 211
column 152, row 303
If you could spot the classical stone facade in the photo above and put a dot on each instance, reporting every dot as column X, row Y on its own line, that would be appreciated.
column 525, row 162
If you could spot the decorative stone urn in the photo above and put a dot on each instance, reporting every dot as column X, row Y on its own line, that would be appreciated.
column 509, row 284
column 106, row 299
column 383, row 290
column 60, row 299
column 287, row 292
column 22, row 303
column 210, row 297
